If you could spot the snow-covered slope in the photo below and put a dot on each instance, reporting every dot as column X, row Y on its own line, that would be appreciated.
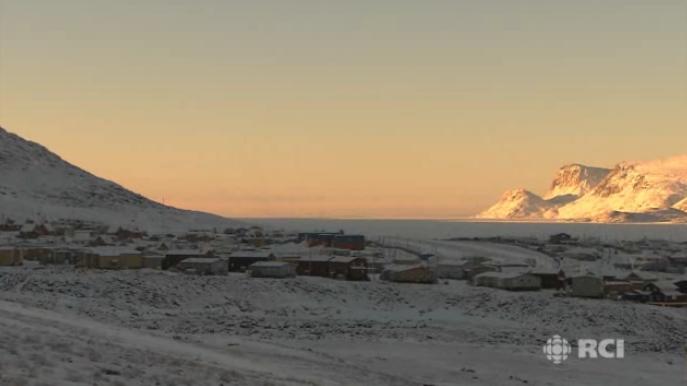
column 518, row 204
column 575, row 180
column 652, row 191
column 682, row 205
column 37, row 184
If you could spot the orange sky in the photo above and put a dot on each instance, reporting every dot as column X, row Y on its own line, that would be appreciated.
column 343, row 109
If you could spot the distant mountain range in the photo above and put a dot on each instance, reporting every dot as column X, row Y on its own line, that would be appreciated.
column 652, row 191
column 37, row 185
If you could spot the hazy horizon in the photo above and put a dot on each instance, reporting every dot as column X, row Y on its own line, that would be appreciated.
column 330, row 110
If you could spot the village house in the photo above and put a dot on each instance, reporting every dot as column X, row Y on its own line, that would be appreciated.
column 173, row 257
column 350, row 242
column 316, row 239
column 10, row 256
column 551, row 279
column 682, row 286
column 511, row 281
column 587, row 286
column 616, row 288
column 418, row 273
column 153, row 261
column 272, row 269
column 35, row 252
column 123, row 234
column 111, row 258
column 203, row 266
column 665, row 293
column 61, row 256
column 316, row 265
column 348, row 267
column 240, row 261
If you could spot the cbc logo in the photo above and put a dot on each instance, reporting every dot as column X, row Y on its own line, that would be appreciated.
column 557, row 349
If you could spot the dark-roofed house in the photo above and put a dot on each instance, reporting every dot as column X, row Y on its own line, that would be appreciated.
column 323, row 239
column 316, row 265
column 272, row 269
column 240, row 261
column 348, row 267
column 508, row 281
column 681, row 286
column 350, row 242
column 203, row 266
column 665, row 293
column 418, row 273
column 173, row 257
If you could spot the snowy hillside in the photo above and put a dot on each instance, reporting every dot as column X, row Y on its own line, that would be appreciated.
column 652, row 191
column 37, row 184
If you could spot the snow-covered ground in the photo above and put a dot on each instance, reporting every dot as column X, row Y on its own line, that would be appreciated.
column 61, row 326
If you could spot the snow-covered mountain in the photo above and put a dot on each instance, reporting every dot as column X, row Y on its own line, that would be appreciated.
column 575, row 180
column 652, row 191
column 36, row 184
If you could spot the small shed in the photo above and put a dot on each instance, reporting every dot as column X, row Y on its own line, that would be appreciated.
column 349, row 268
column 203, row 266
column 240, row 261
column 587, row 286
column 409, row 274
column 272, row 269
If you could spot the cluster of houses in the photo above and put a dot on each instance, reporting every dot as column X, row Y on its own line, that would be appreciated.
column 636, row 287
column 338, row 255
column 331, row 255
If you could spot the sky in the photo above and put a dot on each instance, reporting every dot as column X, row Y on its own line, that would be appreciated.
column 375, row 109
